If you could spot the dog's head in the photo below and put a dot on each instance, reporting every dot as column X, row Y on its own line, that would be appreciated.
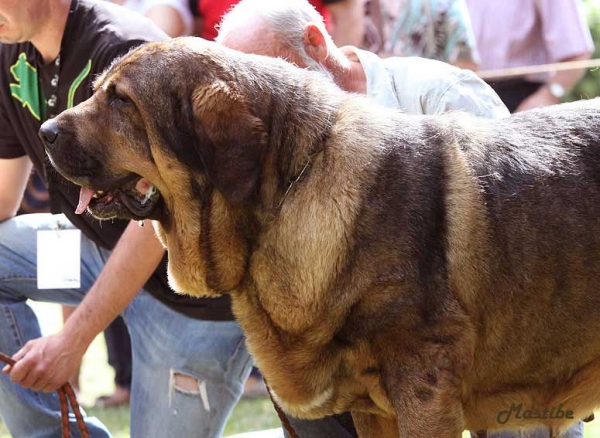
column 177, row 132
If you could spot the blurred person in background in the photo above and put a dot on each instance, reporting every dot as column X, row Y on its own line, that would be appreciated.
column 518, row 33
column 294, row 31
column 433, row 29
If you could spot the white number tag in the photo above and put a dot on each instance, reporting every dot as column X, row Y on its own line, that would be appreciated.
column 58, row 259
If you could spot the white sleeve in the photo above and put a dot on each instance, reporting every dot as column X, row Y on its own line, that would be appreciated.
column 468, row 93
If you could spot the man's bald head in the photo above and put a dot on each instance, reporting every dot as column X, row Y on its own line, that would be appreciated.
column 288, row 29
column 250, row 33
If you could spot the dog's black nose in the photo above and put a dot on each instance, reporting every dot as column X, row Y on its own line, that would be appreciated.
column 49, row 132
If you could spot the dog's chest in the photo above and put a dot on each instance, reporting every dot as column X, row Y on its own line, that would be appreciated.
column 318, row 389
column 310, row 374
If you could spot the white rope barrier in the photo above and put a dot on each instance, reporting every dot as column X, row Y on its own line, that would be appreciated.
column 534, row 69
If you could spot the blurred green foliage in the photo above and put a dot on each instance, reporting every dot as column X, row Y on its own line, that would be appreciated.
column 589, row 86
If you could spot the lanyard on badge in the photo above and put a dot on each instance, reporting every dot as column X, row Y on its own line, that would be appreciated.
column 58, row 258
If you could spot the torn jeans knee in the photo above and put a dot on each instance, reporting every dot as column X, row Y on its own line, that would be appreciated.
column 189, row 385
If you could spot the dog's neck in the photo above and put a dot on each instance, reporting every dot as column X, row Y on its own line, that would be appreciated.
column 294, row 182
column 292, row 151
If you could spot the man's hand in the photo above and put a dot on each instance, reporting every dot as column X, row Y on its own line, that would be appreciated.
column 540, row 98
column 45, row 364
column 566, row 78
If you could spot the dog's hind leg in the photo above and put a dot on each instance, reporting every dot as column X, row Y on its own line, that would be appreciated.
column 577, row 397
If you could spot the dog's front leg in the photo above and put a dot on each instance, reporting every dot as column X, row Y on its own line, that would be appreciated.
column 374, row 426
column 421, row 421
column 426, row 404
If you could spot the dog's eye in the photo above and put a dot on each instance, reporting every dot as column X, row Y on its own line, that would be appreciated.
column 119, row 99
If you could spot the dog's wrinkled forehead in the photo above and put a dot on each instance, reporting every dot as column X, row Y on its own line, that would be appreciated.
column 182, row 60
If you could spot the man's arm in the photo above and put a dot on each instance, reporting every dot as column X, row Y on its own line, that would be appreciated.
column 566, row 80
column 46, row 363
column 14, row 173
column 348, row 21
column 463, row 90
column 169, row 19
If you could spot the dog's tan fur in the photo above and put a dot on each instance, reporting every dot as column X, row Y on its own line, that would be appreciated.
column 422, row 273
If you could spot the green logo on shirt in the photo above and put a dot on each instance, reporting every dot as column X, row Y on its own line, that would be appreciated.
column 77, row 82
column 26, row 88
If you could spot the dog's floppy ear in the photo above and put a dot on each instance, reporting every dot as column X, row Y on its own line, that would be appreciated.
column 231, row 140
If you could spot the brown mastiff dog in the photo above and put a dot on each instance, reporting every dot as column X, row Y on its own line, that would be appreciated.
column 428, row 274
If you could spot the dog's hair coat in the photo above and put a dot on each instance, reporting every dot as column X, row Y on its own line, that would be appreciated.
column 423, row 273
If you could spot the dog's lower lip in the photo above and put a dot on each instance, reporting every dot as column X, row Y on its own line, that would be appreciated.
column 141, row 199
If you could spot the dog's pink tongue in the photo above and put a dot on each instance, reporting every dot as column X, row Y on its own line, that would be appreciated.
column 85, row 196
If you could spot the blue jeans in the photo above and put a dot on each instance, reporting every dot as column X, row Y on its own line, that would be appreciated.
column 187, row 373
column 574, row 432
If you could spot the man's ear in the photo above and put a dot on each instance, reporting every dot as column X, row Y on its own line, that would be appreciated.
column 231, row 140
column 314, row 43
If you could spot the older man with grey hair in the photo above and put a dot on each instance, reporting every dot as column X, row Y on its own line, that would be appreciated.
column 294, row 30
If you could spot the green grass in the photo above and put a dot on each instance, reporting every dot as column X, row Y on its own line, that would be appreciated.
column 97, row 379
column 248, row 415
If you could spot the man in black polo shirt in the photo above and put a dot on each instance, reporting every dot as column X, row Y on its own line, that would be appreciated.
column 190, row 359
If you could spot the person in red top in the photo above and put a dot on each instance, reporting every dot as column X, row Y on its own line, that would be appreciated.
column 344, row 18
